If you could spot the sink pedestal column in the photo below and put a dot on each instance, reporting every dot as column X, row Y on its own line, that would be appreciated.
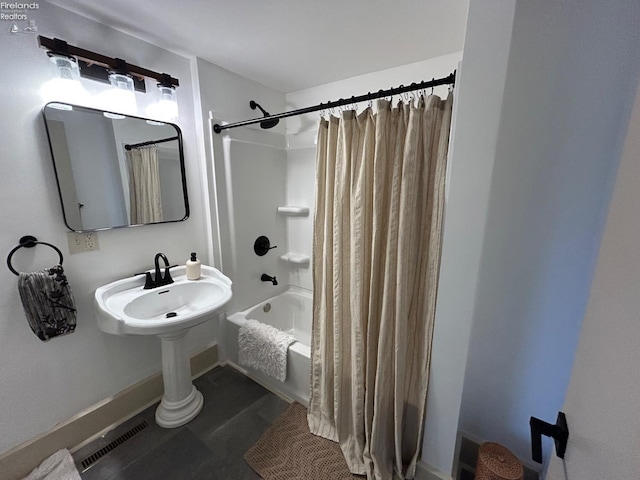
column 181, row 402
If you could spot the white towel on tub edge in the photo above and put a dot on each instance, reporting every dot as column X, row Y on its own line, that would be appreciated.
column 264, row 348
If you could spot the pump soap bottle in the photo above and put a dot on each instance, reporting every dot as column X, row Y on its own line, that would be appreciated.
column 193, row 267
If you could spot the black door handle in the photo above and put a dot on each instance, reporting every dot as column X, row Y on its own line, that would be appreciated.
column 559, row 432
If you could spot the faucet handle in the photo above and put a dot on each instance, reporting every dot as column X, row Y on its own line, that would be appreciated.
column 167, row 275
column 148, row 281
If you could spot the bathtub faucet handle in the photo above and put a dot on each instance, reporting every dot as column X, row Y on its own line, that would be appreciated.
column 268, row 278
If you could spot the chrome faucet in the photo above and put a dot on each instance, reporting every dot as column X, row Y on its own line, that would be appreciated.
column 159, row 279
column 268, row 278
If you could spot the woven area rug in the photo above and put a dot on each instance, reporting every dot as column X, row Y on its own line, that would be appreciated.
column 289, row 451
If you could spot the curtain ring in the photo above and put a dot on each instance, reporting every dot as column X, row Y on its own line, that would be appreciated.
column 413, row 92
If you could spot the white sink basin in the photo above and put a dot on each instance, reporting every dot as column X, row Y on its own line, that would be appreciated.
column 124, row 307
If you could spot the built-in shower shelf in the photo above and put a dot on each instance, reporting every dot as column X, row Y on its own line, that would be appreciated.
column 297, row 259
column 294, row 210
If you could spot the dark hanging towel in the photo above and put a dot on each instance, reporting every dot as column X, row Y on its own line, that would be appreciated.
column 48, row 302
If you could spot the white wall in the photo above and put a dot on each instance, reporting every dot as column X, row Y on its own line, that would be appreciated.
column 45, row 383
column 479, row 90
column 572, row 68
column 604, row 394
column 246, row 180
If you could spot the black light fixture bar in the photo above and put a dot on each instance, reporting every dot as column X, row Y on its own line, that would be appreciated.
column 96, row 60
column 448, row 80
column 96, row 72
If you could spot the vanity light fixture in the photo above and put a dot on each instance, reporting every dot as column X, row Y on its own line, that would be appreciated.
column 124, row 77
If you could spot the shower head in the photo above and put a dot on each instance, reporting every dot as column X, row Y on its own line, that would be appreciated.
column 267, row 123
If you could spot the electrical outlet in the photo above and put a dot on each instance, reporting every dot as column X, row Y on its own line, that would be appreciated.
column 90, row 242
column 82, row 242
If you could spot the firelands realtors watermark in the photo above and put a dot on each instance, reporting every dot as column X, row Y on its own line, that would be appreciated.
column 16, row 11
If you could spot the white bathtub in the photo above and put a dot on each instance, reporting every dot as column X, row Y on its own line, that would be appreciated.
column 291, row 311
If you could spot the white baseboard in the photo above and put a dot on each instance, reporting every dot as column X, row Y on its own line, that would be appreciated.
column 425, row 471
column 95, row 420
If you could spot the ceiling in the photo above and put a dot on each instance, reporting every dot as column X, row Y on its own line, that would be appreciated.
column 290, row 45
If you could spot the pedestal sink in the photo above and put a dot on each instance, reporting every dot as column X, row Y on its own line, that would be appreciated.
column 125, row 308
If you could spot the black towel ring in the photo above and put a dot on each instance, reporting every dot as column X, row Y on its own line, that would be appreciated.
column 29, row 241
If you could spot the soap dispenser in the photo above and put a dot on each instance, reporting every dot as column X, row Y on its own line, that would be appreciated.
column 193, row 267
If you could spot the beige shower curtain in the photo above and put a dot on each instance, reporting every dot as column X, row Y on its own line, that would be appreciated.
column 145, row 205
column 377, row 238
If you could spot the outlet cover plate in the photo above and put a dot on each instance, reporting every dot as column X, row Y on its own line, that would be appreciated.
column 82, row 242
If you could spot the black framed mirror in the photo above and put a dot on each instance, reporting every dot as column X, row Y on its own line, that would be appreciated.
column 115, row 170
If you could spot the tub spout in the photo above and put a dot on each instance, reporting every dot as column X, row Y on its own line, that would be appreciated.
column 268, row 278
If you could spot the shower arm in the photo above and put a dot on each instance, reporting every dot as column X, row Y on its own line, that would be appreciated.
column 253, row 105
column 448, row 80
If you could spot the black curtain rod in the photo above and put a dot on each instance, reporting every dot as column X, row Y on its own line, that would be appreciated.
column 448, row 80
column 151, row 142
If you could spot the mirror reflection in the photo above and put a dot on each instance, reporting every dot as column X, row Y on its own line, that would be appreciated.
column 115, row 170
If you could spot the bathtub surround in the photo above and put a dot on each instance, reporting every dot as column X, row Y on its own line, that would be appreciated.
column 380, row 182
column 241, row 166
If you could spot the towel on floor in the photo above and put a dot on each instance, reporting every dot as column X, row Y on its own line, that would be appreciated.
column 48, row 302
column 58, row 466
column 264, row 348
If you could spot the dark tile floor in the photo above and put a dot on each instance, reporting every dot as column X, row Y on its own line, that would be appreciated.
column 236, row 413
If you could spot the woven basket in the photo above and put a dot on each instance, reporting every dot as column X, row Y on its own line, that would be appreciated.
column 495, row 462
